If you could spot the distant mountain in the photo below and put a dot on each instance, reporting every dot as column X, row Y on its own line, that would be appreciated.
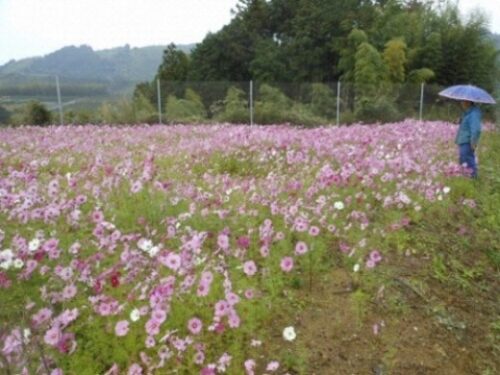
column 83, row 65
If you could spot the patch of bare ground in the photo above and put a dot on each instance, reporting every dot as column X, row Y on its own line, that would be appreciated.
column 401, row 328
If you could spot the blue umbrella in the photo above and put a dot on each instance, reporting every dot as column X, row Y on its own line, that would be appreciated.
column 469, row 93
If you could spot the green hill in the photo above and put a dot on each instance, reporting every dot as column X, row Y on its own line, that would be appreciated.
column 121, row 67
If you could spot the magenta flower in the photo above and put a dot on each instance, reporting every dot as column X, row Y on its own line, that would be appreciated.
column 243, row 242
column 195, row 325
column 375, row 256
column 121, row 328
column 286, row 264
column 249, row 268
column 208, row 371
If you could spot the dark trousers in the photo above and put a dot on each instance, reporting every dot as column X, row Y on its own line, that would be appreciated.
column 468, row 157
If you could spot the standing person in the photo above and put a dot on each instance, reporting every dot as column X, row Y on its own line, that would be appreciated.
column 468, row 135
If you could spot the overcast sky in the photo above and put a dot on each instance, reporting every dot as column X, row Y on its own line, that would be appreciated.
column 38, row 27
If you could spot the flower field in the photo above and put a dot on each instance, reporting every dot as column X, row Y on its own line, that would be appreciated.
column 193, row 249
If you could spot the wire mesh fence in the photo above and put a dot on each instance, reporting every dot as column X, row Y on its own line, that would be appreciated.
column 252, row 102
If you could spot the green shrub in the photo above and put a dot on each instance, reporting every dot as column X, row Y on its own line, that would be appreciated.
column 380, row 109
column 234, row 108
column 272, row 107
column 323, row 101
column 35, row 113
column 190, row 109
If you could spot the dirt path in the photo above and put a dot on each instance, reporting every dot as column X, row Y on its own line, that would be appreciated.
column 346, row 331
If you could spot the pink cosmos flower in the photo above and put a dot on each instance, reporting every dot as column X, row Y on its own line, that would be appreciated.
column 66, row 317
column 375, row 256
column 370, row 263
column 314, row 231
column 207, row 277
column 234, row 319
column 41, row 316
column 223, row 241
column 203, row 289
column 121, row 328
column 249, row 268
column 173, row 261
column 264, row 251
column 152, row 327
column 97, row 216
column 286, row 264
column 300, row 248
column 272, row 366
column 150, row 342
column 136, row 187
column 249, row 294
column 250, row 366
column 195, row 325
column 232, row 298
column 135, row 369
column 159, row 315
column 69, row 292
column 199, row 358
column 221, row 308
column 52, row 336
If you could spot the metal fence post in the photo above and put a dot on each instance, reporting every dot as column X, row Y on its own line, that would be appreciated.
column 338, row 103
column 421, row 100
column 158, row 94
column 58, row 89
column 251, row 103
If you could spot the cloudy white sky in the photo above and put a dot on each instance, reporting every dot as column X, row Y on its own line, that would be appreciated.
column 37, row 27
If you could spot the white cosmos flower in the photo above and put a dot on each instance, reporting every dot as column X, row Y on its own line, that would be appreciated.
column 446, row 189
column 135, row 315
column 144, row 244
column 289, row 333
column 18, row 263
column 34, row 244
column 6, row 254
column 153, row 251
column 6, row 264
column 338, row 205
column 26, row 334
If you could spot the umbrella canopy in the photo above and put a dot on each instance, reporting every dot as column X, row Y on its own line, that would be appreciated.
column 469, row 93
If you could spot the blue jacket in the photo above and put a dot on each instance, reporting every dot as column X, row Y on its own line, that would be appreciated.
column 469, row 130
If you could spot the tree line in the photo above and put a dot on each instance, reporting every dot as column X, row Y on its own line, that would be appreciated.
column 376, row 48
